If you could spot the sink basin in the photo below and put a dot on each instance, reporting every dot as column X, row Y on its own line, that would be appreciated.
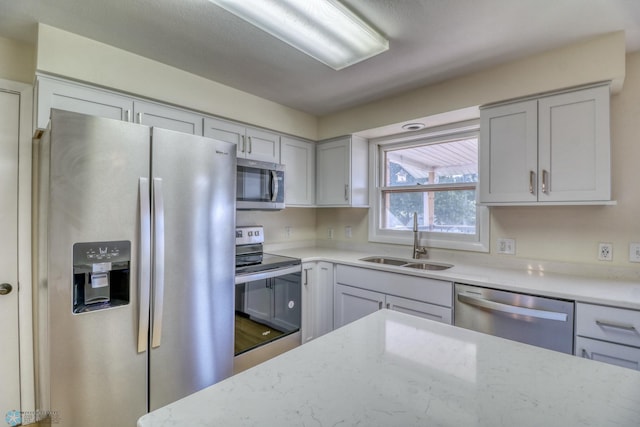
column 427, row 266
column 383, row 260
column 419, row 265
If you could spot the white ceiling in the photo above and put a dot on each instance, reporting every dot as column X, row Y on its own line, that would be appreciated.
column 430, row 41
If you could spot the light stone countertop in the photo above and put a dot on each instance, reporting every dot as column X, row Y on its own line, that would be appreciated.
column 392, row 369
column 531, row 278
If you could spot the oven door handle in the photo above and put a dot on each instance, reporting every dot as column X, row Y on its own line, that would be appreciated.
column 267, row 274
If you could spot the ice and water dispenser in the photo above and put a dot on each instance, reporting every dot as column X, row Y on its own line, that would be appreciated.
column 101, row 275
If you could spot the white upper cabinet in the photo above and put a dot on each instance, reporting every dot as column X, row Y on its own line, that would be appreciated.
column 162, row 116
column 342, row 172
column 54, row 93
column 554, row 149
column 251, row 143
column 299, row 159
column 63, row 95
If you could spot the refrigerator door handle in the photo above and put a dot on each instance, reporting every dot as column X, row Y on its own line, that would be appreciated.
column 158, row 262
column 144, row 265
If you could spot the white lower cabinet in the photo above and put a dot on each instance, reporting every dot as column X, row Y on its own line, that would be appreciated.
column 608, row 334
column 362, row 291
column 614, row 354
column 317, row 299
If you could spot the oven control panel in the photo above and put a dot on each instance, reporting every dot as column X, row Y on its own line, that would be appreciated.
column 249, row 235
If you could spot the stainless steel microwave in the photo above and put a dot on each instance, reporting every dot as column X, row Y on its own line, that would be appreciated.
column 260, row 185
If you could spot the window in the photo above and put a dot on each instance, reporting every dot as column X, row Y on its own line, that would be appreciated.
column 435, row 175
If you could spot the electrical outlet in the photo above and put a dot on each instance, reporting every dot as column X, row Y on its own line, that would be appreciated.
column 329, row 233
column 348, row 232
column 506, row 246
column 605, row 251
column 634, row 252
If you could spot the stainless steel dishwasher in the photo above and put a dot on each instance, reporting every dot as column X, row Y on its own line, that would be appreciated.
column 544, row 322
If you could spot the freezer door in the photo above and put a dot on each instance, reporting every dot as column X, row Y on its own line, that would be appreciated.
column 89, row 188
column 193, row 182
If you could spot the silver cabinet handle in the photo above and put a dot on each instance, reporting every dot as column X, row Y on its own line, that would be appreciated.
column 585, row 355
column 144, row 264
column 139, row 118
column 545, row 181
column 615, row 325
column 346, row 192
column 388, row 305
column 512, row 309
column 127, row 115
column 5, row 289
column 306, row 276
column 532, row 180
column 250, row 144
column 158, row 262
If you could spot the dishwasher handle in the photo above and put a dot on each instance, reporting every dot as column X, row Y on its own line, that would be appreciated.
column 512, row 309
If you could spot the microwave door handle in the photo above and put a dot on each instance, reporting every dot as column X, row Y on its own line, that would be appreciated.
column 275, row 187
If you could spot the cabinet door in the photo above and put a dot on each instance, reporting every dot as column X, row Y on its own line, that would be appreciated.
column 151, row 114
column 354, row 303
column 226, row 131
column 333, row 161
column 300, row 163
column 574, row 144
column 262, row 145
column 508, row 153
column 419, row 308
column 307, row 324
column 52, row 93
column 614, row 354
column 324, row 298
column 317, row 299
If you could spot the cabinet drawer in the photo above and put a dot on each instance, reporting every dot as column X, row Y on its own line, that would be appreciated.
column 614, row 354
column 618, row 325
column 433, row 291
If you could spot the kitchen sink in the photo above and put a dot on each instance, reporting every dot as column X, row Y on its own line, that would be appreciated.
column 419, row 265
column 383, row 260
column 428, row 266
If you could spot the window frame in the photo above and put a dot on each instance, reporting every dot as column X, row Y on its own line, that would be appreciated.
column 478, row 242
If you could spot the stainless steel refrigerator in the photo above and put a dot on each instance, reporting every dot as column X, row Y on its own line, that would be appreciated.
column 135, row 233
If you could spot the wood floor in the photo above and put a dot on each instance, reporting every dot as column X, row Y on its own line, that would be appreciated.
column 250, row 333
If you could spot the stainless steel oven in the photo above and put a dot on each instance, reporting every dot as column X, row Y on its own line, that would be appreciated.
column 267, row 301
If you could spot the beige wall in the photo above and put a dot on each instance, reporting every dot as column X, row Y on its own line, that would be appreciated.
column 547, row 233
column 598, row 59
column 17, row 61
column 66, row 54
column 573, row 233
column 554, row 233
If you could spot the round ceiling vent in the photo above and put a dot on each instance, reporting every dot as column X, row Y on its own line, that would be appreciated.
column 413, row 126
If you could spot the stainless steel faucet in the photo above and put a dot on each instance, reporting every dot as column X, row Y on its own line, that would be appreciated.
column 417, row 250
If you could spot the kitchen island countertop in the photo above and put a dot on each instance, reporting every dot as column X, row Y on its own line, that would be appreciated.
column 392, row 369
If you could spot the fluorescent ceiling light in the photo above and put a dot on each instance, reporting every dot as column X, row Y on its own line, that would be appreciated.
column 323, row 29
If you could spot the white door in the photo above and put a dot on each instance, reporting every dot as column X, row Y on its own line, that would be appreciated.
column 9, row 362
